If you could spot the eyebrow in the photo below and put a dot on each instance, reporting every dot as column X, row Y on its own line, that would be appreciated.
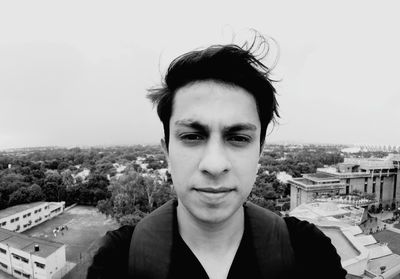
column 194, row 124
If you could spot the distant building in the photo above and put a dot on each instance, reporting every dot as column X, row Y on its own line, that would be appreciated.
column 25, row 216
column 361, row 255
column 27, row 257
column 380, row 177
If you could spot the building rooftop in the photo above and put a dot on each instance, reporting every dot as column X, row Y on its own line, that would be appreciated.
column 366, row 239
column 347, row 250
column 53, row 205
column 18, row 208
column 27, row 244
column 389, row 261
column 359, row 253
column 370, row 163
column 322, row 209
column 320, row 176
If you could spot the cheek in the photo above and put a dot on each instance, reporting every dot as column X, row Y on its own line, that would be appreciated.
column 246, row 170
column 182, row 166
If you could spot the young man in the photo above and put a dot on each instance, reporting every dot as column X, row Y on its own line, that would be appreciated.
column 215, row 106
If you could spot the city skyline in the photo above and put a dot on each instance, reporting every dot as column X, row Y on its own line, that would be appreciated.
column 76, row 73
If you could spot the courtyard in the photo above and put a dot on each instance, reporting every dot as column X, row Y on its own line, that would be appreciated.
column 84, row 226
column 392, row 238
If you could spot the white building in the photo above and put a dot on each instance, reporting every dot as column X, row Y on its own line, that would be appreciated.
column 27, row 257
column 377, row 176
column 361, row 255
column 25, row 216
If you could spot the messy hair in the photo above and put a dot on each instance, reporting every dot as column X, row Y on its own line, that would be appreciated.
column 230, row 64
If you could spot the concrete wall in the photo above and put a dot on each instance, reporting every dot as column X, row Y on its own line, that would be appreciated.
column 18, row 265
column 355, row 184
column 5, row 258
column 398, row 190
column 388, row 188
column 56, row 262
column 27, row 218
column 293, row 197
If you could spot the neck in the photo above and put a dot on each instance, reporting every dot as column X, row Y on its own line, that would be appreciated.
column 219, row 236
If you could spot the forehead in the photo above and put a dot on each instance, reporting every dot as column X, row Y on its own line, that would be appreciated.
column 214, row 103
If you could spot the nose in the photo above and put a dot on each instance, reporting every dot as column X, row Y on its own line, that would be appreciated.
column 215, row 160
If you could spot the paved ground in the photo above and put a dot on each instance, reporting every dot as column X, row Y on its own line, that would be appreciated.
column 85, row 227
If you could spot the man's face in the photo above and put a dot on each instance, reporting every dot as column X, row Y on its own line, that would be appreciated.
column 213, row 149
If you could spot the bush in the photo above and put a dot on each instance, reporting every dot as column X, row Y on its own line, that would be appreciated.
column 372, row 209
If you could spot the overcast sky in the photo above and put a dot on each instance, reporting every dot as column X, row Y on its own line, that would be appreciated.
column 75, row 73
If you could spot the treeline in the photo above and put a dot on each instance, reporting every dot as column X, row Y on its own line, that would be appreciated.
column 128, row 182
column 53, row 175
column 298, row 160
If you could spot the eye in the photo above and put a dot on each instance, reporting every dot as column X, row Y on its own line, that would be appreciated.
column 191, row 138
column 239, row 140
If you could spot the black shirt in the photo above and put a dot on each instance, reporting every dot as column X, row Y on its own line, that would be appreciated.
column 315, row 256
column 184, row 263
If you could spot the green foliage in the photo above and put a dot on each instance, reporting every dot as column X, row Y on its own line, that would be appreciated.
column 133, row 195
column 50, row 174
column 19, row 196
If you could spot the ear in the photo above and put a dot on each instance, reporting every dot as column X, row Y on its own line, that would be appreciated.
column 166, row 154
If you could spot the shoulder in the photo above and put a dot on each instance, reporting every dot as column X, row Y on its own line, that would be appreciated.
column 300, row 228
column 111, row 257
column 313, row 250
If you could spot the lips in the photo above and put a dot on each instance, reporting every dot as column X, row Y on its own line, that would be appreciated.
column 213, row 190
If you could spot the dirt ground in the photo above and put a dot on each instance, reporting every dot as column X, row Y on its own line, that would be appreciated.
column 85, row 227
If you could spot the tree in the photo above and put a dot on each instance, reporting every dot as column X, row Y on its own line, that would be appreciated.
column 53, row 188
column 97, row 180
column 19, row 196
column 35, row 193
column 133, row 195
column 66, row 178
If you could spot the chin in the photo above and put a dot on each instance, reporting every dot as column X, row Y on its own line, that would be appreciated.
column 214, row 216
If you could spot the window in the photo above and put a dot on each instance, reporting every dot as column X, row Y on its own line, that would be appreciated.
column 4, row 251
column 15, row 256
column 40, row 265
column 29, row 214
column 25, row 260
column 12, row 221
column 3, row 265
column 17, row 272
column 26, row 275
column 3, row 224
column 16, row 219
